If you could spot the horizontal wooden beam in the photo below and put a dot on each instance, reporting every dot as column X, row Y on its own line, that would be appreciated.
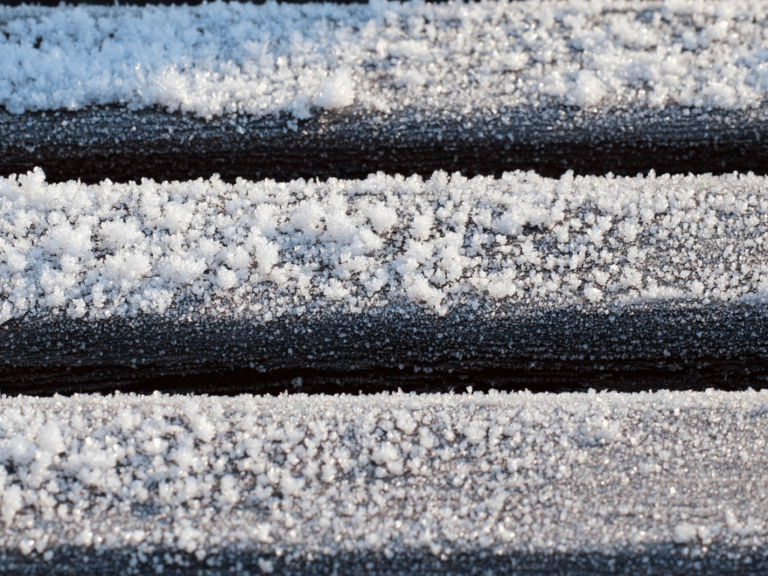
column 123, row 145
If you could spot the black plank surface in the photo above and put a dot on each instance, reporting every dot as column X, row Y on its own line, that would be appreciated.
column 639, row 348
column 667, row 559
column 125, row 145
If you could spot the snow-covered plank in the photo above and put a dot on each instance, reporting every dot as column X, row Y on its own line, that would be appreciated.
column 286, row 91
column 471, row 483
column 385, row 273
column 383, row 57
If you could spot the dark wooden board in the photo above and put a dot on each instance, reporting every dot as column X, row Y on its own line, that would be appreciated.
column 123, row 145
column 632, row 349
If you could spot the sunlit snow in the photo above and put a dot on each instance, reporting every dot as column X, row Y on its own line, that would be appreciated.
column 387, row 474
column 453, row 58
column 266, row 249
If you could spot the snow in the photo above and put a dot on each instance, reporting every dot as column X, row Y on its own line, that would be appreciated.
column 264, row 250
column 450, row 59
column 336, row 92
column 393, row 473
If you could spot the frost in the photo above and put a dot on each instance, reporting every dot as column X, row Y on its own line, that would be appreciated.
column 321, row 475
column 592, row 293
column 113, row 250
column 382, row 217
column 336, row 92
column 588, row 90
column 226, row 278
column 685, row 532
column 451, row 58
column 12, row 503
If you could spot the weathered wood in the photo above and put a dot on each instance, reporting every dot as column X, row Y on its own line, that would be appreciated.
column 633, row 349
column 123, row 145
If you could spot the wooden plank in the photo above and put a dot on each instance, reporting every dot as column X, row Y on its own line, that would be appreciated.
column 123, row 145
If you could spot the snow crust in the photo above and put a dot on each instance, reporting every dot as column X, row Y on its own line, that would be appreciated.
column 453, row 58
column 264, row 249
column 298, row 475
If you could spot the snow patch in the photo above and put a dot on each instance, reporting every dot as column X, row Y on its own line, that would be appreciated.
column 325, row 475
column 288, row 248
column 336, row 92
column 454, row 59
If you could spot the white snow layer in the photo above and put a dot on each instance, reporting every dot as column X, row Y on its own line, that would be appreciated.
column 451, row 58
column 319, row 475
column 263, row 250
